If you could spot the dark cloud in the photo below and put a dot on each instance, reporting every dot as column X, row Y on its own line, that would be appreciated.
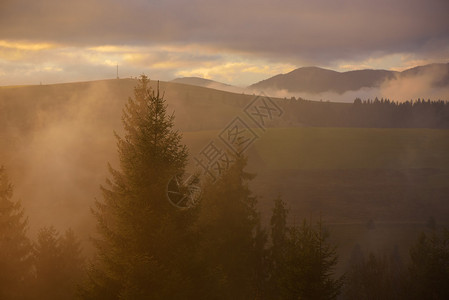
column 314, row 31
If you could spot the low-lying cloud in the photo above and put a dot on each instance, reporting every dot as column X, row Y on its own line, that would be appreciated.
column 424, row 86
column 431, row 84
column 58, row 160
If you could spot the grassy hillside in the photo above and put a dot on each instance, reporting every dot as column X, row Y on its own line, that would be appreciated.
column 395, row 178
column 196, row 108
column 56, row 141
column 354, row 148
column 350, row 174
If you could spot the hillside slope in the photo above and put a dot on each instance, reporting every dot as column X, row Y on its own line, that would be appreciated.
column 56, row 142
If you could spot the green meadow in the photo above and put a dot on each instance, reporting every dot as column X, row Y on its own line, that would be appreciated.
column 397, row 179
column 354, row 148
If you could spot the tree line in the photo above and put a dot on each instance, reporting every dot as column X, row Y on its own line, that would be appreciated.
column 370, row 113
column 49, row 268
column 146, row 248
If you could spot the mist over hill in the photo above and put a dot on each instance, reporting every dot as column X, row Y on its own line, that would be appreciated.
column 56, row 141
column 311, row 161
column 318, row 80
column 429, row 81
column 314, row 83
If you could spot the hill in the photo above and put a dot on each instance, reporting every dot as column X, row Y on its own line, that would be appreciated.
column 350, row 174
column 56, row 141
column 395, row 179
column 317, row 80
column 198, row 81
column 24, row 107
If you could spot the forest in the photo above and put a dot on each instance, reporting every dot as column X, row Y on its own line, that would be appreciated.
column 147, row 248
column 370, row 113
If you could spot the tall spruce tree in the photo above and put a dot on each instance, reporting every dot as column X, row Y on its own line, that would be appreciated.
column 277, row 251
column 72, row 262
column 15, row 247
column 302, row 260
column 143, row 243
column 377, row 277
column 230, row 239
column 58, row 265
column 429, row 266
column 47, row 257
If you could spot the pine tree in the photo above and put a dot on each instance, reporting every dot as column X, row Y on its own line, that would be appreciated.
column 72, row 262
column 15, row 247
column 143, row 243
column 279, row 227
column 231, row 241
column 311, row 262
column 58, row 264
column 279, row 231
column 429, row 266
column 47, row 255
column 302, row 261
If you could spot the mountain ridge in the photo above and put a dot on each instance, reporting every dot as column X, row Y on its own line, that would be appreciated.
column 202, row 82
column 316, row 80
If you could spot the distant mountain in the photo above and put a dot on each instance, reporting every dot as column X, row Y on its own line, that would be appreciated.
column 440, row 72
column 318, row 80
column 198, row 81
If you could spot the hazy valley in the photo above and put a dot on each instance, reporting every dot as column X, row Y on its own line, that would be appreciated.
column 345, row 175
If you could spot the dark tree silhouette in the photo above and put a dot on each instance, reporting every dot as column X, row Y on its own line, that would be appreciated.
column 376, row 113
column 15, row 247
column 231, row 243
column 59, row 265
column 429, row 267
column 378, row 277
column 302, row 261
column 143, row 240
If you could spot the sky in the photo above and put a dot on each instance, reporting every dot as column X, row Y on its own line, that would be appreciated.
column 235, row 42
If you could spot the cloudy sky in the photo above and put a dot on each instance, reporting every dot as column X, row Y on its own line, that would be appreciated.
column 237, row 42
